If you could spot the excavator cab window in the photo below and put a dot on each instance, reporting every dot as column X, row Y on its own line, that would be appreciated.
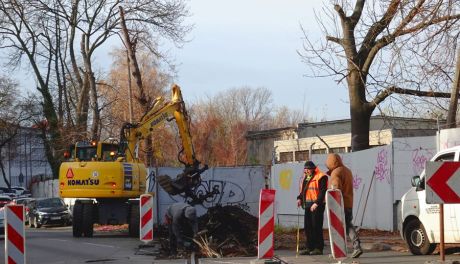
column 109, row 151
column 87, row 153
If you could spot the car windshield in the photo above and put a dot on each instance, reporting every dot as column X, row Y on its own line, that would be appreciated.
column 54, row 202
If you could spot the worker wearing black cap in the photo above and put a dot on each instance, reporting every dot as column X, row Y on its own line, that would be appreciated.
column 311, row 198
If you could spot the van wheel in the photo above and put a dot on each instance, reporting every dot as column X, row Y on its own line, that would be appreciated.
column 416, row 239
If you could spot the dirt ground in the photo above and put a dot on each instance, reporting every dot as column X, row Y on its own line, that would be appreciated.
column 374, row 240
column 287, row 239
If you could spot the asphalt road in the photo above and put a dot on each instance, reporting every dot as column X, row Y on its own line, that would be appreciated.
column 56, row 245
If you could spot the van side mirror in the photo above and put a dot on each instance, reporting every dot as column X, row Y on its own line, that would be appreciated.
column 415, row 181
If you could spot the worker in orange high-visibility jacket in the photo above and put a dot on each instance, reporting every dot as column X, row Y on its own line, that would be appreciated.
column 311, row 198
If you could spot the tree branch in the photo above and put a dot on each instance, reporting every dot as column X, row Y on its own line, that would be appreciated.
column 379, row 26
column 382, row 95
column 357, row 12
column 341, row 13
column 334, row 39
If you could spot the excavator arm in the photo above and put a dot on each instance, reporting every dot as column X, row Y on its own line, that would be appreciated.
column 131, row 134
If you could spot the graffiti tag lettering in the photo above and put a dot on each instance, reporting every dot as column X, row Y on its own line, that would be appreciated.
column 357, row 181
column 382, row 171
column 419, row 158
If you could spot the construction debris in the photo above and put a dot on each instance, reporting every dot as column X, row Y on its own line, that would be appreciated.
column 229, row 231
column 225, row 231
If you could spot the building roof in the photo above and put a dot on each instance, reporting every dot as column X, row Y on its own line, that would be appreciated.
column 269, row 133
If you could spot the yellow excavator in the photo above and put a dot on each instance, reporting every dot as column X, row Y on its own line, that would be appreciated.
column 107, row 178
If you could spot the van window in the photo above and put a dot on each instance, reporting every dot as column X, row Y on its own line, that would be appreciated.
column 446, row 157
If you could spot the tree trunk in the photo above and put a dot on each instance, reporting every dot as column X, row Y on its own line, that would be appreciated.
column 3, row 170
column 94, row 104
column 360, row 124
column 452, row 113
column 142, row 98
column 360, row 111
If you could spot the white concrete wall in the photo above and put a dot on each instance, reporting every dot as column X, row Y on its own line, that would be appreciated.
column 410, row 156
column 380, row 177
column 49, row 188
column 237, row 185
column 449, row 138
column 286, row 180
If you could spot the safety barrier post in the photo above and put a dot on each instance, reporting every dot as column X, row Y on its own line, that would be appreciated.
column 146, row 218
column 15, row 250
column 266, row 224
column 337, row 228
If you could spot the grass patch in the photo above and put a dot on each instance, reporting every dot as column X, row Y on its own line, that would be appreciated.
column 284, row 230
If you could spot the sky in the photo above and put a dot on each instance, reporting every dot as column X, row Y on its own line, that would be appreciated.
column 255, row 43
column 249, row 43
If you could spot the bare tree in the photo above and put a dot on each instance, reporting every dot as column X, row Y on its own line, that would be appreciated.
column 13, row 115
column 154, row 84
column 57, row 40
column 375, row 46
column 285, row 117
column 220, row 123
column 452, row 113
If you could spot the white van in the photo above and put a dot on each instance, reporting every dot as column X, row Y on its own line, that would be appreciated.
column 418, row 222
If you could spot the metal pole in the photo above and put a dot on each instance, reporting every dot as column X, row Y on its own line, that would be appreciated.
column 298, row 233
column 441, row 227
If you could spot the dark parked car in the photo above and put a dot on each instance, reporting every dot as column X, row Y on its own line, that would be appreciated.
column 21, row 191
column 49, row 211
column 8, row 192
column 4, row 200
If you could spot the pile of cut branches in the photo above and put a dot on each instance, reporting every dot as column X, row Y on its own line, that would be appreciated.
column 227, row 231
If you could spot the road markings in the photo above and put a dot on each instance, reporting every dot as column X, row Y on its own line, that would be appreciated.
column 100, row 245
column 60, row 240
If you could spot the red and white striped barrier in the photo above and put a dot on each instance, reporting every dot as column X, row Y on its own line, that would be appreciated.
column 15, row 250
column 146, row 219
column 266, row 223
column 337, row 228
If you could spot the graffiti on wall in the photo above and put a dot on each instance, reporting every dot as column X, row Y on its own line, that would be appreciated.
column 151, row 179
column 228, row 193
column 419, row 157
column 356, row 181
column 285, row 179
column 382, row 170
column 449, row 143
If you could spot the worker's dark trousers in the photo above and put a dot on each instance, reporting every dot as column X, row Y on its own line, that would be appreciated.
column 313, row 227
column 172, row 241
column 352, row 234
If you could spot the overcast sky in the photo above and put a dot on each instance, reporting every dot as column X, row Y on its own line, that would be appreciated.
column 255, row 43
column 249, row 43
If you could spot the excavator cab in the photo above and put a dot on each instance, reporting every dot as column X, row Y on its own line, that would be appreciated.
column 91, row 151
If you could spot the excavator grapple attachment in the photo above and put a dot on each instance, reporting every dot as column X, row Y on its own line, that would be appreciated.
column 166, row 183
column 185, row 183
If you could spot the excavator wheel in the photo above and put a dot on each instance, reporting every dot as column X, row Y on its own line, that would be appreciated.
column 88, row 220
column 166, row 183
column 77, row 219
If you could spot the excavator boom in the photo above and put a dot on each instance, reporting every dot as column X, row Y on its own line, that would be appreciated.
column 123, row 174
